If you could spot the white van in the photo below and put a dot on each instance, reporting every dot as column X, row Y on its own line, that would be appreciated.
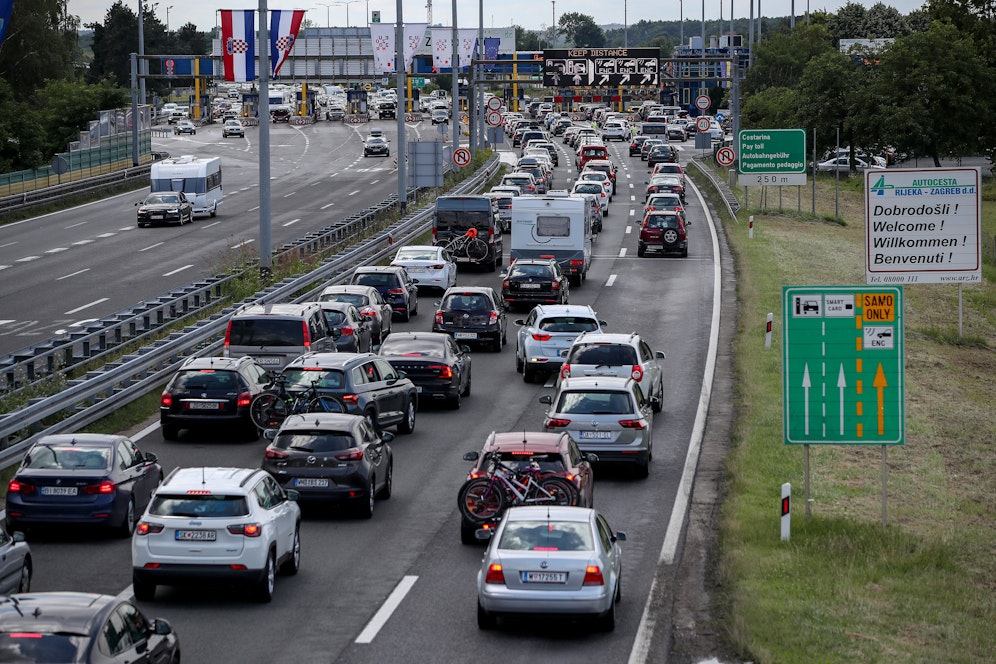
column 198, row 178
column 557, row 226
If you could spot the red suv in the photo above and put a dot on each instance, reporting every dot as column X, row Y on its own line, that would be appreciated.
column 664, row 231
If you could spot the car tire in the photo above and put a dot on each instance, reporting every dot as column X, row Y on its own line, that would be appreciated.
column 496, row 345
column 485, row 621
column 145, row 591
column 641, row 252
column 127, row 526
column 293, row 562
column 657, row 405
column 371, row 417
column 454, row 402
column 643, row 469
column 406, row 316
column 684, row 252
column 407, row 425
column 607, row 621
column 365, row 509
column 263, row 588
column 388, row 488
column 519, row 364
column 528, row 374
column 170, row 431
column 24, row 579
column 466, row 390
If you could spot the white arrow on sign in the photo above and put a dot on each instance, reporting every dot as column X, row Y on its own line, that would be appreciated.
column 647, row 78
column 625, row 79
column 577, row 79
column 604, row 79
column 841, row 384
column 806, row 384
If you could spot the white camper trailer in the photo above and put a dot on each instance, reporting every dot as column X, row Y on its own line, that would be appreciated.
column 556, row 226
column 197, row 177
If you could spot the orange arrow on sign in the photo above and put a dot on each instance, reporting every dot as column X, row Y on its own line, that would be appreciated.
column 880, row 384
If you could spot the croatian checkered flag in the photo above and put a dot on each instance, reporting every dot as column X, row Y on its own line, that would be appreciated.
column 284, row 25
column 238, row 44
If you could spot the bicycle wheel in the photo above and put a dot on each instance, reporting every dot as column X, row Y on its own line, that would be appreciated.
column 477, row 249
column 268, row 410
column 562, row 492
column 326, row 404
column 457, row 247
column 481, row 501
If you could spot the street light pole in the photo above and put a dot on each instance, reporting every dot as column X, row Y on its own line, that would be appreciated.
column 328, row 13
column 143, row 66
column 346, row 4
column 167, row 18
column 625, row 23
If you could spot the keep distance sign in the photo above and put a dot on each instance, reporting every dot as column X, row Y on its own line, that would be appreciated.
column 726, row 156
column 702, row 124
column 494, row 119
column 461, row 157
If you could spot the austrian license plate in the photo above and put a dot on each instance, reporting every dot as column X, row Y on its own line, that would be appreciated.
column 268, row 361
column 59, row 491
column 465, row 335
column 195, row 535
column 595, row 435
column 544, row 577
column 312, row 482
column 203, row 405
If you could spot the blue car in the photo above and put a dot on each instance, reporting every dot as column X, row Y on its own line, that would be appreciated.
column 81, row 478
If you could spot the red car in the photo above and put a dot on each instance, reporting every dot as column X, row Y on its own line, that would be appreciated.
column 555, row 453
column 663, row 231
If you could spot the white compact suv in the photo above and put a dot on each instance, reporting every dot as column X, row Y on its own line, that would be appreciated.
column 621, row 355
column 217, row 525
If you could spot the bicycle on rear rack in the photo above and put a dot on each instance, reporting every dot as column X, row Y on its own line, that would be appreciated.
column 484, row 499
column 275, row 404
column 465, row 246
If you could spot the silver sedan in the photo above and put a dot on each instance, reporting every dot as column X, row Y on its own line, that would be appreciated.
column 551, row 560
column 15, row 563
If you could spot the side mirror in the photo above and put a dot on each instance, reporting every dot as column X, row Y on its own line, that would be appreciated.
column 336, row 333
column 161, row 627
column 603, row 323
column 660, row 355
column 465, row 348
column 150, row 457
column 386, row 437
column 520, row 322
column 18, row 536
column 270, row 434
column 292, row 495
column 547, row 399
column 471, row 456
column 591, row 457
column 619, row 537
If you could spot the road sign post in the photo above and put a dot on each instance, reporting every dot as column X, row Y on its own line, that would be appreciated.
column 461, row 157
column 771, row 157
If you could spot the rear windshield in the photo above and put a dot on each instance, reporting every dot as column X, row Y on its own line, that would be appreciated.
column 547, row 536
column 195, row 506
column 527, row 270
column 468, row 302
column 661, row 221
column 603, row 354
column 32, row 646
column 412, row 346
column 68, row 457
column 594, row 403
column 206, row 379
column 461, row 220
column 322, row 379
column 545, row 461
column 427, row 254
column 348, row 298
column 375, row 279
column 568, row 324
column 589, row 188
column 266, row 332
column 315, row 441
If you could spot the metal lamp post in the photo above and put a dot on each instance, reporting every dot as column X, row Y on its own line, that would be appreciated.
column 346, row 4
column 328, row 13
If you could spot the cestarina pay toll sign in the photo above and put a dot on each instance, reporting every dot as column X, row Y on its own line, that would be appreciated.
column 923, row 226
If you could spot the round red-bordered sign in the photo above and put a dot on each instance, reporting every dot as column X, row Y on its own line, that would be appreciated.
column 702, row 124
column 494, row 103
column 726, row 156
column 702, row 102
column 494, row 119
column 461, row 157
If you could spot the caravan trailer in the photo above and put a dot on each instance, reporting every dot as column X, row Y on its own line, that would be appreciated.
column 555, row 226
column 197, row 177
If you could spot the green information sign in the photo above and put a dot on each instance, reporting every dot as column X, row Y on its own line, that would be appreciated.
column 418, row 82
column 842, row 370
column 771, row 157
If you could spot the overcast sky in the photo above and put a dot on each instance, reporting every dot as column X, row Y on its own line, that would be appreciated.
column 530, row 14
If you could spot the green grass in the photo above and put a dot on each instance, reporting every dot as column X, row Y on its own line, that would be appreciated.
column 845, row 588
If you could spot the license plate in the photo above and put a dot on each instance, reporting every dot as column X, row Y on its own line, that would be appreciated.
column 414, row 269
column 157, row 216
column 311, row 482
column 418, row 389
column 267, row 361
column 195, row 535
column 203, row 405
column 465, row 335
column 595, row 435
column 544, row 577
column 59, row 491
column 531, row 286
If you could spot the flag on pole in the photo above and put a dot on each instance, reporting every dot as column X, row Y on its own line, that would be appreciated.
column 238, row 38
column 468, row 42
column 414, row 34
column 284, row 25
column 382, row 38
column 442, row 49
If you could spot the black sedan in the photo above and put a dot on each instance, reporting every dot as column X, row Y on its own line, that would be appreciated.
column 166, row 207
column 376, row 145
column 660, row 154
column 439, row 367
column 535, row 281
column 82, row 627
column 472, row 314
column 212, row 393
column 82, row 478
column 332, row 457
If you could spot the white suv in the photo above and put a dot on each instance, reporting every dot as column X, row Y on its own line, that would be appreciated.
column 622, row 355
column 216, row 524
column 616, row 129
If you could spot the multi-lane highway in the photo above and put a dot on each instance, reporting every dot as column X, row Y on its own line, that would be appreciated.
column 409, row 555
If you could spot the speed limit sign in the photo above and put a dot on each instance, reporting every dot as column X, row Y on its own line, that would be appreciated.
column 702, row 124
column 461, row 157
column 726, row 156
column 702, row 102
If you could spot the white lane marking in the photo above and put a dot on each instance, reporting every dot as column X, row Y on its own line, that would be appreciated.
column 56, row 250
column 327, row 205
column 4, row 267
column 145, row 432
column 73, row 274
column 9, row 244
column 85, row 306
column 645, row 633
column 27, row 259
column 75, row 225
column 103, row 235
column 4, row 322
column 291, row 222
column 81, row 323
column 628, row 229
column 622, row 253
column 353, row 192
column 81, row 243
column 632, row 212
column 611, row 280
column 126, row 228
column 551, row 380
column 375, row 181
column 152, row 246
column 213, row 223
column 290, row 194
column 253, row 209
column 384, row 612
column 242, row 244
column 630, row 185
column 179, row 269
column 332, row 175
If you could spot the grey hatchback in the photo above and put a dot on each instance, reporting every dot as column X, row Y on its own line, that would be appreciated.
column 366, row 383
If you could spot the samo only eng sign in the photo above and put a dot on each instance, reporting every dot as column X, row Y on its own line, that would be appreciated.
column 923, row 226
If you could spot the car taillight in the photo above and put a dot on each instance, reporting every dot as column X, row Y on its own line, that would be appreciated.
column 493, row 317
column 351, row 399
column 650, row 208
column 439, row 318
column 554, row 423
column 505, row 284
column 103, row 488
column 555, row 285
column 228, row 339
column 637, row 373
column 435, row 236
column 440, row 266
column 145, row 528
column 351, row 455
column 346, row 330
column 274, row 455
column 632, row 424
column 577, row 262
column 368, row 312
column 246, row 529
column 445, row 371
column 593, row 576
column 540, row 336
column 166, row 399
column 243, row 400
column 306, row 334
column 20, row 487
column 565, row 371
column 396, row 291
column 495, row 576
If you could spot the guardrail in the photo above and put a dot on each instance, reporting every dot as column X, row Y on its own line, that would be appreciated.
column 48, row 194
column 732, row 204
column 115, row 385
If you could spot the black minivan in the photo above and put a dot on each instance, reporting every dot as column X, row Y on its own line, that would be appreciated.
column 455, row 215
